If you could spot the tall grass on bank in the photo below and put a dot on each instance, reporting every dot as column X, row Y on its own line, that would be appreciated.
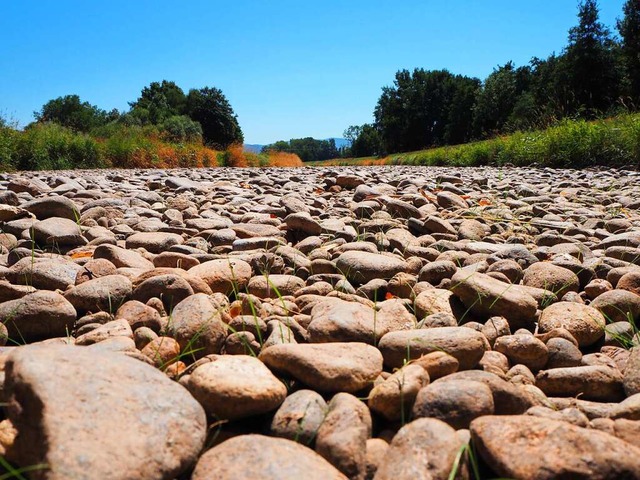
column 49, row 146
column 613, row 142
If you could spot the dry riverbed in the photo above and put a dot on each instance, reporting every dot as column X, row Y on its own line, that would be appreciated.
column 320, row 323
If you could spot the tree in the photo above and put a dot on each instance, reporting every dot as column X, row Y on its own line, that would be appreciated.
column 365, row 140
column 159, row 101
column 459, row 126
column 180, row 128
column 629, row 29
column 352, row 133
column 308, row 149
column 592, row 72
column 423, row 109
column 210, row 108
column 69, row 111
column 495, row 101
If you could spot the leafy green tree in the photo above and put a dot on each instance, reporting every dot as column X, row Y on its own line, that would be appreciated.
column 390, row 114
column 548, row 91
column 159, row 101
column 180, row 128
column 364, row 140
column 69, row 111
column 459, row 125
column 351, row 133
column 423, row 109
column 629, row 29
column 279, row 146
column 592, row 72
column 211, row 109
column 495, row 101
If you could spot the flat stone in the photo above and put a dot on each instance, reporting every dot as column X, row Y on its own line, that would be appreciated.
column 532, row 447
column 466, row 345
column 45, row 273
column 53, row 206
column 121, row 257
column 327, row 367
column 362, row 267
column 57, row 232
column 154, row 242
column 599, row 383
column 489, row 297
column 78, row 410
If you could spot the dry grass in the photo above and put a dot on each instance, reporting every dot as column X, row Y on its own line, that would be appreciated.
column 284, row 159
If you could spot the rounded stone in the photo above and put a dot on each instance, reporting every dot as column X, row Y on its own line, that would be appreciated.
column 235, row 386
column 80, row 410
column 533, row 447
column 523, row 349
column 618, row 305
column 270, row 459
column 584, row 322
column 224, row 276
column 455, row 402
column 548, row 276
column 300, row 416
column 362, row 267
column 100, row 294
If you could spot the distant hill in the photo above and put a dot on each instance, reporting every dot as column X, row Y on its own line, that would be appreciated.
column 257, row 148
column 253, row 147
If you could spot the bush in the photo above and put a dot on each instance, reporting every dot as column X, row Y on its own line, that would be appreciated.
column 181, row 128
column 8, row 145
column 51, row 147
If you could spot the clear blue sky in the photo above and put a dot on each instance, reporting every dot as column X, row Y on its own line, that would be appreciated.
column 289, row 68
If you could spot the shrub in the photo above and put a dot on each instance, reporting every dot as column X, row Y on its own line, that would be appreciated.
column 50, row 147
column 181, row 128
column 8, row 145
column 282, row 159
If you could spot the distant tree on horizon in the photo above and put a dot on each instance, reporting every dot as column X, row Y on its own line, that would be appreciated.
column 308, row 149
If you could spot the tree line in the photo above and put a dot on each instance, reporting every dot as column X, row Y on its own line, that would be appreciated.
column 200, row 115
column 308, row 149
column 597, row 74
